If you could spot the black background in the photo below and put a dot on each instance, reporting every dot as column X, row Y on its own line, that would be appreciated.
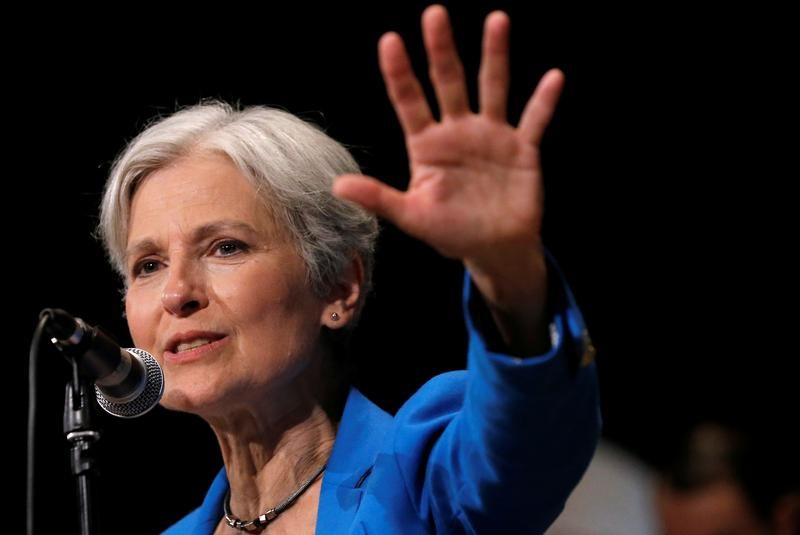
column 664, row 208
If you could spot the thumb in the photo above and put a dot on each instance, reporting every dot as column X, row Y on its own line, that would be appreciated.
column 373, row 195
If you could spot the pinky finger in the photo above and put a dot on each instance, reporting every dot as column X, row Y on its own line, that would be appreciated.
column 541, row 107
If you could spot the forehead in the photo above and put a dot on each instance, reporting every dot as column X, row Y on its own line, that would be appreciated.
column 193, row 191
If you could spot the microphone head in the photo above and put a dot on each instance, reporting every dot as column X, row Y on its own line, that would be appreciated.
column 146, row 399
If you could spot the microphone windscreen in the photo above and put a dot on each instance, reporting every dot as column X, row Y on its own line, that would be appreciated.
column 146, row 399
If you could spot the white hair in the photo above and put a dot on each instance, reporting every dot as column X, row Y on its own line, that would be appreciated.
column 291, row 164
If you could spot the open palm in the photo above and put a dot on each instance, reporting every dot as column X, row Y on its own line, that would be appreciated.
column 475, row 187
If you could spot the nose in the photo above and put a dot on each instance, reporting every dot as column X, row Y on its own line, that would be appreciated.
column 184, row 292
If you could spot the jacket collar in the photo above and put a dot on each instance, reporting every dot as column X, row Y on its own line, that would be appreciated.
column 358, row 439
column 361, row 432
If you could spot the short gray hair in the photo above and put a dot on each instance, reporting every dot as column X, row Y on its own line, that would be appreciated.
column 291, row 164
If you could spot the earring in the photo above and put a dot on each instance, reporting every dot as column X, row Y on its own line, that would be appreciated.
column 334, row 316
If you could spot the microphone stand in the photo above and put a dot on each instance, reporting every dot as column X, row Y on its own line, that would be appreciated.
column 81, row 436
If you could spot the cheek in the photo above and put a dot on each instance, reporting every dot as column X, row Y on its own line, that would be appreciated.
column 139, row 320
column 280, row 313
column 254, row 291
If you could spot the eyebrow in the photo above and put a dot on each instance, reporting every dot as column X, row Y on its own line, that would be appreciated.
column 198, row 234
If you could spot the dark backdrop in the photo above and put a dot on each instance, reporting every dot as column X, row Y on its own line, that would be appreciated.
column 662, row 209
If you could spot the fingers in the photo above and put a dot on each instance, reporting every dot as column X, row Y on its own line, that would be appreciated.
column 446, row 71
column 402, row 86
column 447, row 75
column 493, row 78
column 373, row 195
column 541, row 106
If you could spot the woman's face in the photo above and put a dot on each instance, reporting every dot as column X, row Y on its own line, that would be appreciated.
column 216, row 291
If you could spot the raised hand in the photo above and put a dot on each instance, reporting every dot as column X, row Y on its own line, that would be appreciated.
column 476, row 188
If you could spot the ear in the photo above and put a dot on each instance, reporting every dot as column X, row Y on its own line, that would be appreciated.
column 345, row 296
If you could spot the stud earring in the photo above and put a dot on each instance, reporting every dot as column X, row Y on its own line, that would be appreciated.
column 334, row 316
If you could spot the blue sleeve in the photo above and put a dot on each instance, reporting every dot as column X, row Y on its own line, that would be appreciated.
column 519, row 434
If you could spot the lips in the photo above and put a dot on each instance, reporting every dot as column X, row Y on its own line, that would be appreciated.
column 190, row 339
column 185, row 346
column 192, row 345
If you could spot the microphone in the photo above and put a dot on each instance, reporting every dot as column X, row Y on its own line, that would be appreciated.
column 128, row 382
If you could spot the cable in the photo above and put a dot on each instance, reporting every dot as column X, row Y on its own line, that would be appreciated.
column 32, row 360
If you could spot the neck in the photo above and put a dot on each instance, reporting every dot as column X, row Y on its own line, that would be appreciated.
column 272, row 446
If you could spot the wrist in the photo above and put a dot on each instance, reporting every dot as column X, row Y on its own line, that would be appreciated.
column 514, row 288
column 513, row 279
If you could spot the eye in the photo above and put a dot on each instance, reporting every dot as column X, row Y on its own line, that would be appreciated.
column 229, row 247
column 146, row 267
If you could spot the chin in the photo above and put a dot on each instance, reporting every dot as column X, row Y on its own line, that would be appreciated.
column 190, row 399
column 189, row 389
column 177, row 401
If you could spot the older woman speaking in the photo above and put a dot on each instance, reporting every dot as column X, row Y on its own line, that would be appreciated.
column 245, row 240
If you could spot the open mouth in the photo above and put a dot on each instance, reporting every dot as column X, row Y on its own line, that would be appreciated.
column 186, row 346
column 191, row 346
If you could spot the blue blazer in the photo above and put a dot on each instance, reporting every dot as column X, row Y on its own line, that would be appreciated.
column 493, row 449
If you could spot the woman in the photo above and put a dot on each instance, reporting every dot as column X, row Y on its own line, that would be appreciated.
column 245, row 264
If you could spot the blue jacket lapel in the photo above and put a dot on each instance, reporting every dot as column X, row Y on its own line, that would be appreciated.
column 358, row 440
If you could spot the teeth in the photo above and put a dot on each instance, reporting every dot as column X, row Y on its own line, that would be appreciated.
column 185, row 346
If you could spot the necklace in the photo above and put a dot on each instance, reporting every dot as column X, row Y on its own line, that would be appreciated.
column 258, row 524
